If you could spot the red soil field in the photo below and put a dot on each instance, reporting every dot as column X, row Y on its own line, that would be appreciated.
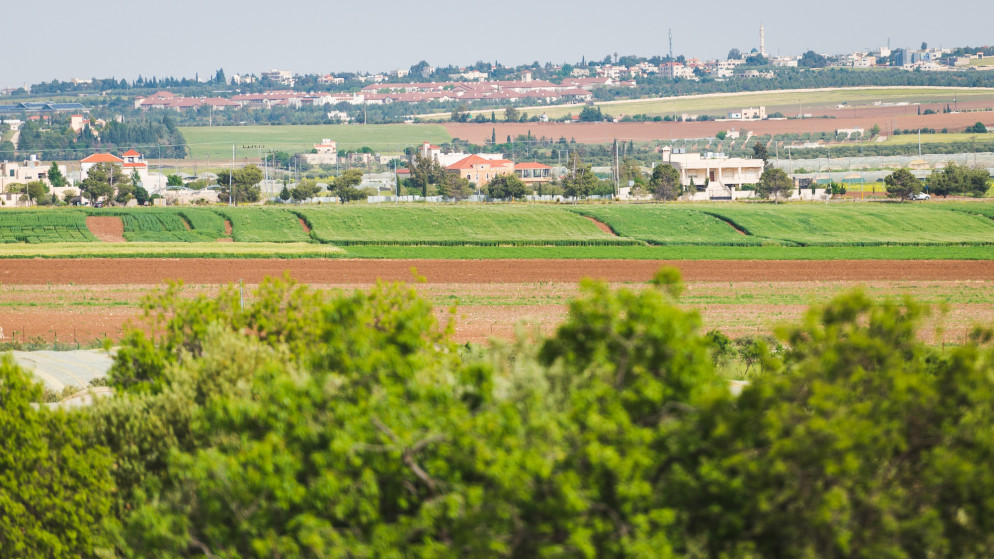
column 604, row 132
column 98, row 271
column 108, row 229
column 88, row 299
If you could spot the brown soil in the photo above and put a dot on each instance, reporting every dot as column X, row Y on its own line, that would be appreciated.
column 487, row 307
column 98, row 271
column 604, row 132
column 304, row 226
column 108, row 229
column 602, row 226
column 227, row 231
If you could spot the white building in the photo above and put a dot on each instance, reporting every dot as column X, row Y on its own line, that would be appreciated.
column 715, row 175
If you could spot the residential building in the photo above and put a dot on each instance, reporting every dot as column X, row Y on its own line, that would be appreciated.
column 77, row 123
column 32, row 169
column 480, row 171
column 326, row 153
column 533, row 174
column 282, row 77
column 129, row 161
column 714, row 174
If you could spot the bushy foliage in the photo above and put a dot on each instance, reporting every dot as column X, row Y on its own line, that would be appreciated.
column 297, row 422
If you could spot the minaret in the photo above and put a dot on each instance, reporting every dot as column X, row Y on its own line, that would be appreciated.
column 762, row 40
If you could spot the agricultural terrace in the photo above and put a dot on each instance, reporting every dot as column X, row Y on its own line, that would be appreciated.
column 214, row 142
column 508, row 225
column 848, row 230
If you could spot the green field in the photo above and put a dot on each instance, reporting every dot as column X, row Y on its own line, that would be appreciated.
column 670, row 225
column 214, row 142
column 454, row 225
column 190, row 225
column 40, row 226
column 264, row 225
column 859, row 225
column 641, row 231
column 906, row 139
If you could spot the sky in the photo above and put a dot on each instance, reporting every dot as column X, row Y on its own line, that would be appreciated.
column 184, row 38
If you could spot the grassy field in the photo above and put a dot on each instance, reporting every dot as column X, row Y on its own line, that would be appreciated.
column 668, row 225
column 774, row 100
column 264, row 225
column 41, row 226
column 644, row 231
column 171, row 250
column 497, row 224
column 215, row 142
column 906, row 139
column 190, row 225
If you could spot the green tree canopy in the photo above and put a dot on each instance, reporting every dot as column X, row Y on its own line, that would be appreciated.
column 902, row 184
column 665, row 182
column 506, row 187
column 55, row 176
column 243, row 184
column 774, row 183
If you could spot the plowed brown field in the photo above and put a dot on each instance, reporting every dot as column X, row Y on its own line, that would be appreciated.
column 98, row 271
column 84, row 300
column 603, row 132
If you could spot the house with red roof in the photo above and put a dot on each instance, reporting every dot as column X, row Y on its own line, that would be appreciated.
column 480, row 171
column 130, row 161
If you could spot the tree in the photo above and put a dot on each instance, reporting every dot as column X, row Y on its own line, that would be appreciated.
column 506, row 187
column 307, row 188
column 243, row 184
column 512, row 114
column 102, row 181
column 346, row 184
column 665, row 182
column 734, row 54
column 37, row 192
column 580, row 180
column 285, row 193
column 591, row 114
column 861, row 442
column 69, row 195
column 875, row 130
column 774, row 183
column 759, row 152
column 55, row 176
column 455, row 187
column 55, row 487
column 811, row 59
column 978, row 128
column 141, row 195
column 902, row 184
column 174, row 180
column 424, row 172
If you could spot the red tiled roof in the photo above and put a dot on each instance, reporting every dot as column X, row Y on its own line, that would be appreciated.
column 473, row 160
column 102, row 158
column 130, row 152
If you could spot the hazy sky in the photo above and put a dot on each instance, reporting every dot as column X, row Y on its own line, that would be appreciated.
column 62, row 39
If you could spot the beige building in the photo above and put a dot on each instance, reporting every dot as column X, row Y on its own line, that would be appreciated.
column 479, row 170
column 533, row 174
column 714, row 174
column 12, row 172
column 325, row 153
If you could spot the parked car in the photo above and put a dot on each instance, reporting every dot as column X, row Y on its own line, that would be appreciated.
column 920, row 196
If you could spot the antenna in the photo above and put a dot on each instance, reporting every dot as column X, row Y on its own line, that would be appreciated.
column 671, row 43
